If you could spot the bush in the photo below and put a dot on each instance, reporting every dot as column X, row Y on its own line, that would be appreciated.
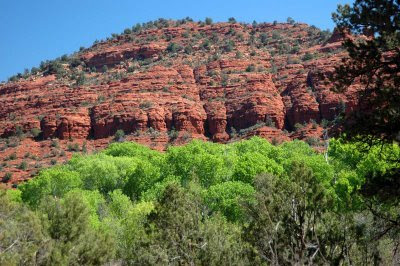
column 307, row 56
column 7, row 177
column 269, row 122
column 295, row 49
column 119, row 135
column 56, row 68
column 173, row 134
column 35, row 132
column 19, row 132
column 313, row 141
column 290, row 20
column 229, row 46
column 12, row 156
column 23, row 165
column 251, row 68
column 54, row 143
column 81, row 79
column 188, row 49
column 264, row 38
column 276, row 35
column 209, row 21
column 231, row 20
column 298, row 127
column 145, row 105
column 173, row 47
column 73, row 147
column 324, row 123
column 35, row 70
column 206, row 44
column 131, row 69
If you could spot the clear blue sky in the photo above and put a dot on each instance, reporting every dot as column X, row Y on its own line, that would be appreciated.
column 32, row 31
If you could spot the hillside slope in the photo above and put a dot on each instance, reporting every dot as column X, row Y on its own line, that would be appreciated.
column 166, row 82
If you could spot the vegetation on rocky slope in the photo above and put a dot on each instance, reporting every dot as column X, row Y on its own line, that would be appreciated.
column 167, row 82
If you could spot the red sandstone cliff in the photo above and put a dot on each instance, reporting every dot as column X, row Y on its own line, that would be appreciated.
column 216, row 82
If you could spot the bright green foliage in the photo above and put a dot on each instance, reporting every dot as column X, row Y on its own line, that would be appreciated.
column 119, row 203
column 138, row 170
column 229, row 197
column 50, row 182
column 158, row 188
column 355, row 162
column 130, row 149
column 204, row 161
column 141, row 179
column 248, row 202
column 102, row 172
column 252, row 163
column 126, row 221
column 93, row 201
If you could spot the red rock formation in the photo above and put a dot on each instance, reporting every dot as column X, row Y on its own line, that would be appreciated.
column 115, row 54
column 220, row 79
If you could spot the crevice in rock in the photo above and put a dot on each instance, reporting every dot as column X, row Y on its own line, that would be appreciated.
column 206, row 127
column 91, row 131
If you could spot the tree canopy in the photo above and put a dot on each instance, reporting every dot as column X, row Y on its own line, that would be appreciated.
column 248, row 202
column 372, row 39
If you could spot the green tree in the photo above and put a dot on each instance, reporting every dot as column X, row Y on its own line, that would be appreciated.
column 73, row 239
column 178, row 234
column 290, row 20
column 229, row 198
column 22, row 238
column 54, row 182
column 141, row 179
column 285, row 223
column 374, row 63
column 102, row 172
column 199, row 160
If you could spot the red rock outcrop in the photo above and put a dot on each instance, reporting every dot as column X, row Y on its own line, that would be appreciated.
column 167, row 85
column 115, row 54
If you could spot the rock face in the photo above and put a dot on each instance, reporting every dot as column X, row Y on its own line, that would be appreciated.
column 115, row 54
column 168, row 84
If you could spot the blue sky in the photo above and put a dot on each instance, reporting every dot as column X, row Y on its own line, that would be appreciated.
column 33, row 31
